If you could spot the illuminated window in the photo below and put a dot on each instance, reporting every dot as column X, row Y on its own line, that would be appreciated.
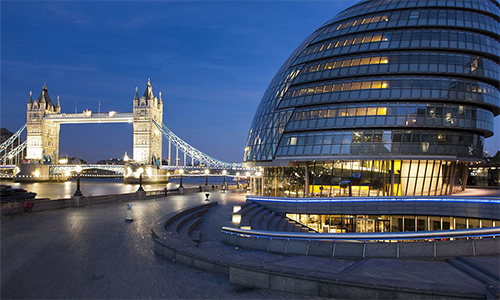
column 382, row 111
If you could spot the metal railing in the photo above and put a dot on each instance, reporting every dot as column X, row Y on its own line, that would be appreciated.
column 468, row 199
column 376, row 236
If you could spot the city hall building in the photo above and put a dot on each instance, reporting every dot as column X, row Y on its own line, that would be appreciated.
column 388, row 98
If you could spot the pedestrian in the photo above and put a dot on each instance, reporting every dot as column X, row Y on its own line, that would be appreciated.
column 30, row 205
column 223, row 188
column 213, row 187
column 25, row 206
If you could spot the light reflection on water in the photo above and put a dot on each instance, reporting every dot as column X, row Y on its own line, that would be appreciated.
column 107, row 186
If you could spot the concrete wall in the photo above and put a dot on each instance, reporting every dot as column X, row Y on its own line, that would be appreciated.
column 12, row 208
column 338, row 286
column 438, row 250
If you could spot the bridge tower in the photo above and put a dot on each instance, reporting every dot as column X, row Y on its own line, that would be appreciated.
column 42, row 134
column 147, row 138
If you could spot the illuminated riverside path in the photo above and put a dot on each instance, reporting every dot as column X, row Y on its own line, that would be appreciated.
column 107, row 186
column 93, row 253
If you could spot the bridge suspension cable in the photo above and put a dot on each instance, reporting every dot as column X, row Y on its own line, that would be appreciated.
column 190, row 150
column 14, row 151
column 10, row 140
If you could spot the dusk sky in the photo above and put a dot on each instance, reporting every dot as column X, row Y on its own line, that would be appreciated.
column 212, row 61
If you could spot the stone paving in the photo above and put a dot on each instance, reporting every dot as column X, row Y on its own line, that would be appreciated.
column 93, row 253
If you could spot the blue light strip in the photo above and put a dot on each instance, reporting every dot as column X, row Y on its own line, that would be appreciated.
column 491, row 200
column 377, row 236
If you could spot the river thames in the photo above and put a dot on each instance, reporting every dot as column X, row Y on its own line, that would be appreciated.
column 107, row 186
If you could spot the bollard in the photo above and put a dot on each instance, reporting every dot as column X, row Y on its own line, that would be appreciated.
column 129, row 213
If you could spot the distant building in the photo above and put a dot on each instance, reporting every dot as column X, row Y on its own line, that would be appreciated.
column 76, row 161
column 389, row 97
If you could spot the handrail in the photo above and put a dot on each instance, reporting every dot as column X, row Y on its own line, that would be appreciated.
column 376, row 236
column 476, row 199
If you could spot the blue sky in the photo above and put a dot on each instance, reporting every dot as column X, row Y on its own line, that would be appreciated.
column 212, row 61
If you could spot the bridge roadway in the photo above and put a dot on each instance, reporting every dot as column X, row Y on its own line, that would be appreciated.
column 93, row 253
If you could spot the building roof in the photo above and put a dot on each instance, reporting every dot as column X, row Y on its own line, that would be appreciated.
column 44, row 97
column 148, row 93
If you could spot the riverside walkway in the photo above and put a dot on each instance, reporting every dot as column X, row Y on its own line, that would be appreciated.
column 93, row 253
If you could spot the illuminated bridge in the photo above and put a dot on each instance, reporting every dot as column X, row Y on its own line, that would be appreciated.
column 41, row 146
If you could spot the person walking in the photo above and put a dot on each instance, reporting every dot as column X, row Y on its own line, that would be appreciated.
column 30, row 205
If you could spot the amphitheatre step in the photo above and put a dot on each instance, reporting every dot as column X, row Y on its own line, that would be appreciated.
column 282, row 224
column 186, row 229
column 289, row 226
column 258, row 219
column 177, row 224
column 239, row 211
column 271, row 226
column 247, row 218
column 245, row 208
column 264, row 223
column 168, row 226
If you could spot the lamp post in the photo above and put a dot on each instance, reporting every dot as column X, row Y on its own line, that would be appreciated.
column 78, row 170
column 206, row 176
column 237, row 180
column 181, row 171
column 140, row 189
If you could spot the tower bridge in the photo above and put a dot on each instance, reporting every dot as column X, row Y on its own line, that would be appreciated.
column 41, row 146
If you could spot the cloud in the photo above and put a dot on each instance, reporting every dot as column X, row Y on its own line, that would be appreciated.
column 68, row 16
column 17, row 65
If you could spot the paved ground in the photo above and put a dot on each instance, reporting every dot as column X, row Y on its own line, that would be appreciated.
column 93, row 253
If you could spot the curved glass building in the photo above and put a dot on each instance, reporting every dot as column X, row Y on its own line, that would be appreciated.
column 389, row 97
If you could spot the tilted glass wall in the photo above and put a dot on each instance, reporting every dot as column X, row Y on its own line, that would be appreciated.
column 364, row 178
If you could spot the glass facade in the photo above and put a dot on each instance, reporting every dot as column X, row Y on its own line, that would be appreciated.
column 386, row 223
column 402, row 93
column 364, row 178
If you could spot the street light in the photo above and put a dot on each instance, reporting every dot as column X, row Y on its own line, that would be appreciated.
column 140, row 189
column 181, row 171
column 237, row 180
column 206, row 176
column 78, row 170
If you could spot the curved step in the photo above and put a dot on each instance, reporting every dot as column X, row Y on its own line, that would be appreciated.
column 282, row 224
column 247, row 218
column 262, row 217
column 289, row 226
column 186, row 229
column 271, row 226
column 175, row 226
